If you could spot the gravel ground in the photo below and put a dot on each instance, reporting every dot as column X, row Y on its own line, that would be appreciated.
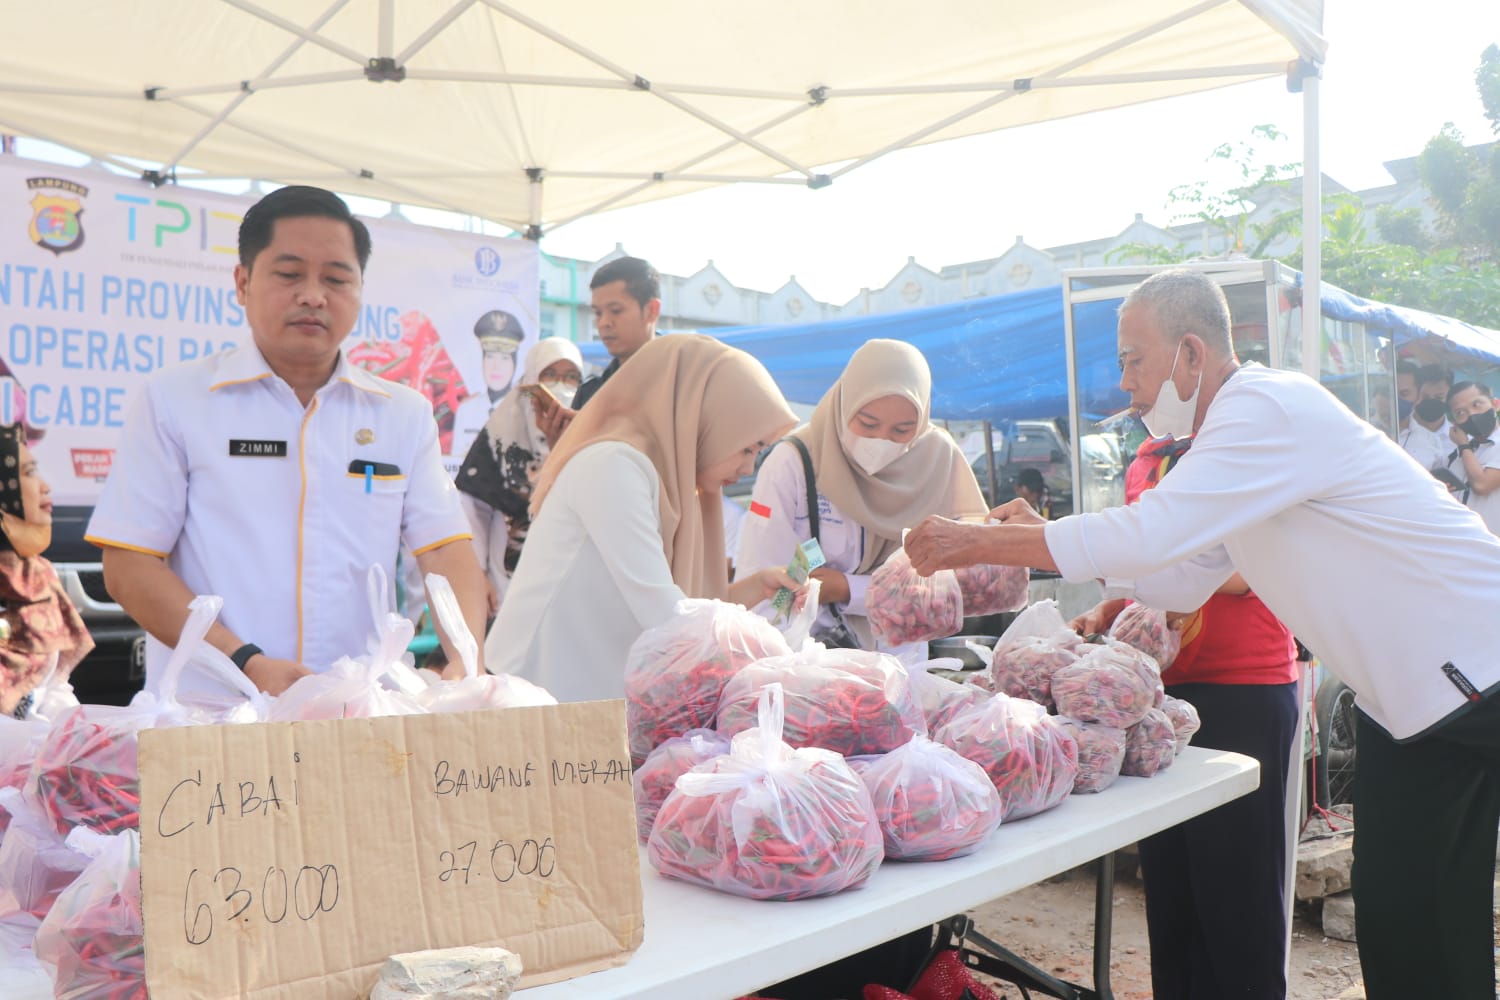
column 1051, row 925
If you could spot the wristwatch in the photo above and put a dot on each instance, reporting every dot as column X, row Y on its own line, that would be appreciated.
column 241, row 656
column 1466, row 447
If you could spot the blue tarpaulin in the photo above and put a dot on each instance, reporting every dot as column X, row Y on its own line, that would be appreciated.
column 992, row 358
column 1003, row 357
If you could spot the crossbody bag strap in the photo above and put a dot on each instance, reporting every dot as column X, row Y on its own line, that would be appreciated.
column 810, row 478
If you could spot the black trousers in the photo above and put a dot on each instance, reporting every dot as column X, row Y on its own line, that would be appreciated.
column 1216, row 884
column 1425, row 815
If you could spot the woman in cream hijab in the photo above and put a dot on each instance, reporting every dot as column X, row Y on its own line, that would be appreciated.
column 879, row 466
column 627, row 517
column 501, row 468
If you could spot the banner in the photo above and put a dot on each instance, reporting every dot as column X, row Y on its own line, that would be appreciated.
column 105, row 279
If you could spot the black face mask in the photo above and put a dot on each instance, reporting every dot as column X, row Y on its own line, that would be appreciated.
column 1479, row 425
column 1431, row 410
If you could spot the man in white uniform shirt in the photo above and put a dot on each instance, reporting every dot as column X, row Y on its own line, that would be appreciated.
column 1334, row 529
column 274, row 474
column 1476, row 459
column 1426, row 437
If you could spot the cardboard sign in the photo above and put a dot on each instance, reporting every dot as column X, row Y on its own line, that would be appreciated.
column 289, row 860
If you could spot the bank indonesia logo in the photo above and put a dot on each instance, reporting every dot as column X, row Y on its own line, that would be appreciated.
column 487, row 261
column 55, row 214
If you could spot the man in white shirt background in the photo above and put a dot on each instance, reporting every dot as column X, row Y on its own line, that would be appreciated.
column 1334, row 528
column 1476, row 459
column 1426, row 438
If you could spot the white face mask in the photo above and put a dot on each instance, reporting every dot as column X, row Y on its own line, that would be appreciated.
column 872, row 454
column 1171, row 415
column 562, row 390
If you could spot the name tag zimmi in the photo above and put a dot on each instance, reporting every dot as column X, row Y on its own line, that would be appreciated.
column 257, row 449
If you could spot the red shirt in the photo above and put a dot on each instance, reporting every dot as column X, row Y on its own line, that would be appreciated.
column 1232, row 639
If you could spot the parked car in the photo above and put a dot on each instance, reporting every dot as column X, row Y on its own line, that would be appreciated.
column 115, row 670
column 1044, row 445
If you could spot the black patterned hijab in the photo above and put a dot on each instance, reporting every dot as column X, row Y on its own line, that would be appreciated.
column 12, row 436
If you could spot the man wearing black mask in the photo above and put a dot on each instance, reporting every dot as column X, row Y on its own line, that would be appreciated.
column 1476, row 460
column 1427, row 438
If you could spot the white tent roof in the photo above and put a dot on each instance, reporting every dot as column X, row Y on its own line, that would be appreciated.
column 538, row 111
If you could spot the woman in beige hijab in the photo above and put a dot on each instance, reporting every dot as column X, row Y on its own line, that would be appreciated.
column 879, row 466
column 627, row 517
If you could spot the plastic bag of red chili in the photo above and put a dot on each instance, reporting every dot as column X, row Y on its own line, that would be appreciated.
column 1150, row 745
column 1029, row 756
column 1106, row 686
column 676, row 671
column 1184, row 717
column 93, row 934
column 19, row 742
column 1146, row 629
column 905, row 607
column 850, row 701
column 1142, row 663
column 35, row 864
column 931, row 803
column 991, row 590
column 767, row 821
column 85, row 772
column 941, row 699
column 655, row 779
column 1024, row 668
column 1101, row 751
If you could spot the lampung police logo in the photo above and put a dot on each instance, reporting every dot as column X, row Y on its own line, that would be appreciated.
column 55, row 223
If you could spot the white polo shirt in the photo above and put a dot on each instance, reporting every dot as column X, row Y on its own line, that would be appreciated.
column 1365, row 556
column 251, row 496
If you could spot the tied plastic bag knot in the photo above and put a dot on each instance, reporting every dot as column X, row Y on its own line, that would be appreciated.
column 767, row 821
column 356, row 688
column 474, row 691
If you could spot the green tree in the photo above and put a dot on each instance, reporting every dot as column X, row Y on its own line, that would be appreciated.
column 1452, row 269
column 1465, row 181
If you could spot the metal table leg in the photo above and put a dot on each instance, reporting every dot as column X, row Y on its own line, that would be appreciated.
column 1104, row 914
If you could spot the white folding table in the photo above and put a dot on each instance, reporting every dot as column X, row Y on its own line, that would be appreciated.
column 703, row 945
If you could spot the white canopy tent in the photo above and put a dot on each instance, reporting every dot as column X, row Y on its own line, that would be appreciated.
column 482, row 105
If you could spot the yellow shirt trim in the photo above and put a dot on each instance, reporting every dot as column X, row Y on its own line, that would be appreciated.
column 238, row 381
column 301, row 515
column 109, row 543
column 465, row 537
column 367, row 388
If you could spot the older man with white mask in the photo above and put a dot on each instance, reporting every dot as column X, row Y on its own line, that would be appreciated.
column 1335, row 528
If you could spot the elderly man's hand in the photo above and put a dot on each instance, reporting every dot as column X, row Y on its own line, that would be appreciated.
column 938, row 543
column 1017, row 511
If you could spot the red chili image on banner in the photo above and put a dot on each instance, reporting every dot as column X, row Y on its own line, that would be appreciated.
column 418, row 360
